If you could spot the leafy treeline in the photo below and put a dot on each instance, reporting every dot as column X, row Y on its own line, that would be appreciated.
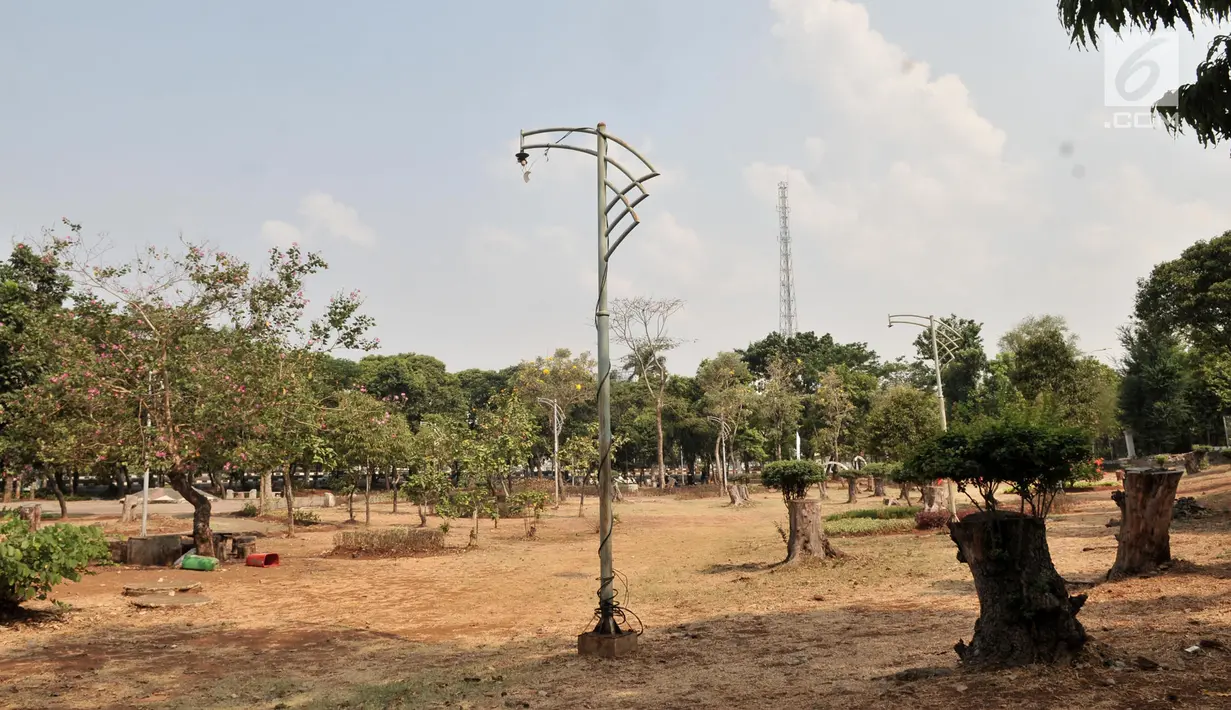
column 204, row 369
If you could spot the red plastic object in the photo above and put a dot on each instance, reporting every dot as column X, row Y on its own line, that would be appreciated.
column 262, row 559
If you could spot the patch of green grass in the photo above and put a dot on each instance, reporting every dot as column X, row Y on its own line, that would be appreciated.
column 852, row 527
column 888, row 512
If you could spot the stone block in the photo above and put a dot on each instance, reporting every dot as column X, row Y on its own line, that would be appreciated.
column 330, row 501
column 607, row 645
column 154, row 551
column 251, row 494
column 230, row 494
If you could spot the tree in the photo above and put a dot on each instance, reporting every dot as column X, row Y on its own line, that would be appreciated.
column 1044, row 355
column 434, row 450
column 814, row 355
column 835, row 406
column 726, row 396
column 806, row 538
column 640, row 325
column 421, row 384
column 501, row 441
column 159, row 335
column 779, row 403
column 961, row 374
column 563, row 381
column 902, row 418
column 1191, row 296
column 1203, row 106
column 1025, row 613
column 364, row 436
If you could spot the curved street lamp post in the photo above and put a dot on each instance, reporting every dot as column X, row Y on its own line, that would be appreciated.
column 608, row 614
column 944, row 338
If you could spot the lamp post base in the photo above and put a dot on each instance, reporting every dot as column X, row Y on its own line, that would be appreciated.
column 619, row 645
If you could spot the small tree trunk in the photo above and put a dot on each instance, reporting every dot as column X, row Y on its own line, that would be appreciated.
column 1025, row 613
column 662, row 466
column 824, row 491
column 367, row 497
column 581, row 506
column 267, row 492
column 8, row 488
column 474, row 519
column 202, row 535
column 852, row 489
column 74, row 481
column 396, row 485
column 288, row 473
column 54, row 479
column 1145, row 521
column 422, row 517
column 807, row 537
column 878, row 486
column 350, row 504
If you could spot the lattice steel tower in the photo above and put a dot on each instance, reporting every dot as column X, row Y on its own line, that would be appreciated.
column 787, row 322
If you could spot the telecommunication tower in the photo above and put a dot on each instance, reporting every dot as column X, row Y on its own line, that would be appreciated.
column 787, row 322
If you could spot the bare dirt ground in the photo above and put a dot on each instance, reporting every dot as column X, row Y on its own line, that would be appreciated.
column 496, row 626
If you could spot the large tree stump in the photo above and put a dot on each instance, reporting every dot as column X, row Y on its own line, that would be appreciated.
column 807, row 536
column 1025, row 613
column 1145, row 521
column 738, row 495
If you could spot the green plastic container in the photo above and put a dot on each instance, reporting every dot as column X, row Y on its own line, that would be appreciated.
column 200, row 563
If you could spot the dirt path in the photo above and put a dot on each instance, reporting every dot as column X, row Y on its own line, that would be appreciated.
column 495, row 627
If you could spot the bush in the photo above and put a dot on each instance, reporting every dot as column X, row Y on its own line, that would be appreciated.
column 853, row 527
column 931, row 519
column 1037, row 458
column 793, row 478
column 888, row 512
column 250, row 510
column 1160, row 461
column 306, row 517
column 881, row 469
column 32, row 563
column 389, row 542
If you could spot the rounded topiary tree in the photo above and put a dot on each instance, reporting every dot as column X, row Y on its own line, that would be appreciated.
column 807, row 535
column 1025, row 613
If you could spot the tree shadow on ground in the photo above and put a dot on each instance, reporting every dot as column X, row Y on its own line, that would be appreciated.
column 21, row 617
column 744, row 567
column 741, row 660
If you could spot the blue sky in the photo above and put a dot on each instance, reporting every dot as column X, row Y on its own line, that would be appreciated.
column 922, row 149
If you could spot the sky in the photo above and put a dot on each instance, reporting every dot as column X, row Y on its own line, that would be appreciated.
column 941, row 158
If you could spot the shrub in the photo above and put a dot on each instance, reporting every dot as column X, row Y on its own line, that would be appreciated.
column 853, row 527
column 250, row 510
column 33, row 562
column 1037, row 458
column 389, row 542
column 1160, row 461
column 793, row 478
column 306, row 517
column 931, row 519
column 888, row 512
column 880, row 469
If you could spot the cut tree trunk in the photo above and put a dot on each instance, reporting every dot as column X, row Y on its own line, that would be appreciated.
column 32, row 514
column 807, row 536
column 1025, row 613
column 1145, row 521
column 852, row 489
column 737, row 499
column 878, row 486
column 202, row 535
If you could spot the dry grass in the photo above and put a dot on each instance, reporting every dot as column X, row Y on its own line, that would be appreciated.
column 398, row 541
column 726, row 628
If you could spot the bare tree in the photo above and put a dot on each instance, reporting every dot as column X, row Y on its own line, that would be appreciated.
column 640, row 325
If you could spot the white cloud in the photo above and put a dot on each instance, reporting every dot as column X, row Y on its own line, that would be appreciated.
column 932, row 172
column 324, row 213
column 279, row 233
